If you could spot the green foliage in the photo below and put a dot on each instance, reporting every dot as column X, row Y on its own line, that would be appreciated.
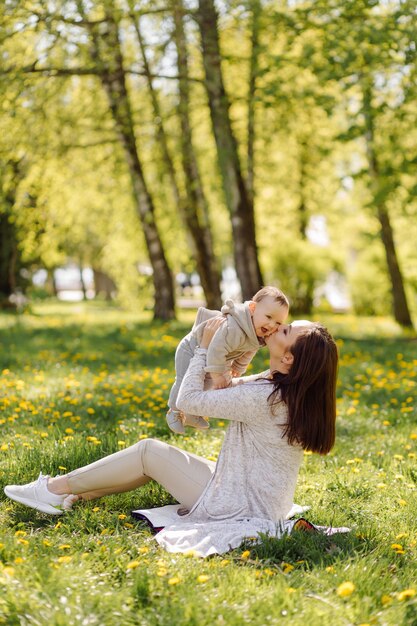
column 299, row 267
column 369, row 285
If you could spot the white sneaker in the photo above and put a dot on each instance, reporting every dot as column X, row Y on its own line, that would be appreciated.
column 175, row 420
column 37, row 495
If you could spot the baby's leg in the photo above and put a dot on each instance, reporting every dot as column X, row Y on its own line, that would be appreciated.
column 183, row 355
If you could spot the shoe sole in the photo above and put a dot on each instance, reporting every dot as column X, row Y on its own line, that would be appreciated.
column 33, row 504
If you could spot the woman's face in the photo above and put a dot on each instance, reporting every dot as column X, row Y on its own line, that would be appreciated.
column 280, row 342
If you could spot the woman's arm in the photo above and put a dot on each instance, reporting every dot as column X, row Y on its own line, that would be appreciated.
column 242, row 403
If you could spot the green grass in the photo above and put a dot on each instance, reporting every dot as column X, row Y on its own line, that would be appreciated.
column 81, row 381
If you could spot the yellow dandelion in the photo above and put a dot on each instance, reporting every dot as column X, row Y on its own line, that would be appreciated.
column 64, row 559
column 18, row 560
column 203, row 578
column 245, row 555
column 190, row 553
column 162, row 572
column 174, row 580
column 133, row 565
column 269, row 572
column 122, row 516
column 90, row 411
column 143, row 550
column 385, row 600
column 406, row 594
column 64, row 546
column 287, row 567
column 345, row 589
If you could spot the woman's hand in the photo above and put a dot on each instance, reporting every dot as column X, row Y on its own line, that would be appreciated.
column 210, row 330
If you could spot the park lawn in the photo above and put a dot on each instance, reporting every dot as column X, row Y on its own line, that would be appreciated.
column 78, row 381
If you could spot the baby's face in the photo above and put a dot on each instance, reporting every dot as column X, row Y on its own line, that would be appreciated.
column 268, row 316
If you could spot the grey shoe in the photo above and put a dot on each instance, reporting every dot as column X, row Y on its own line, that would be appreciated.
column 196, row 421
column 175, row 420
column 37, row 495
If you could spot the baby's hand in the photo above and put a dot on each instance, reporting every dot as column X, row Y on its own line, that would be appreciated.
column 220, row 381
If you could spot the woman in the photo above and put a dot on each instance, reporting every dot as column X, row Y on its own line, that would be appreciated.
column 273, row 417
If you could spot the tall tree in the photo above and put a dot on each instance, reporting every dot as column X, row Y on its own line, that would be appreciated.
column 237, row 197
column 400, row 304
column 192, row 208
column 10, row 254
column 107, row 55
column 197, row 207
column 255, row 7
column 366, row 46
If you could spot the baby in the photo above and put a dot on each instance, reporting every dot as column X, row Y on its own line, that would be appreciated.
column 231, row 349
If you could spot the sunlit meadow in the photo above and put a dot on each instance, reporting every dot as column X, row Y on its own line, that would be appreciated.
column 80, row 381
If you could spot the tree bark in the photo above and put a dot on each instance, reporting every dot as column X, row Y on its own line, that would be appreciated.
column 256, row 9
column 237, row 198
column 7, row 258
column 200, row 238
column 107, row 54
column 400, row 304
column 197, row 214
column 9, row 251
column 82, row 283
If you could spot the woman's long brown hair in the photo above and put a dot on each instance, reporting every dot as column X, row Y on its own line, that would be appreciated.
column 309, row 391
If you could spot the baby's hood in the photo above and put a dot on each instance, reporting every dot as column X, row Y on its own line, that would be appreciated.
column 241, row 314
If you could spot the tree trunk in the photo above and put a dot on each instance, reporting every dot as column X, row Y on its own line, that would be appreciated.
column 400, row 304
column 82, row 282
column 237, row 198
column 196, row 209
column 9, row 251
column 256, row 9
column 7, row 258
column 103, row 284
column 107, row 54
column 199, row 237
column 305, row 299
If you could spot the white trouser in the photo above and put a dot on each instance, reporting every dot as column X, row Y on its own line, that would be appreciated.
column 182, row 474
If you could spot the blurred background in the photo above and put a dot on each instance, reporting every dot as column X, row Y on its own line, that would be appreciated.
column 173, row 153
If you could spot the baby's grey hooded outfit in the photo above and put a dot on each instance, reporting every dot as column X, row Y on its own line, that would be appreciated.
column 233, row 346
